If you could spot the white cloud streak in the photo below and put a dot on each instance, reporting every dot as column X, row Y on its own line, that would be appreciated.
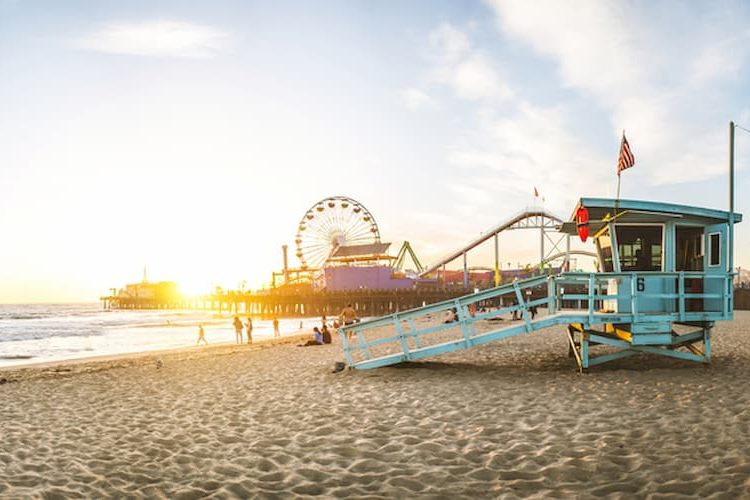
column 467, row 70
column 156, row 39
column 654, row 82
column 415, row 99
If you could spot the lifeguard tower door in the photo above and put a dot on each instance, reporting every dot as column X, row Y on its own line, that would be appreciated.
column 716, row 267
column 689, row 256
column 640, row 250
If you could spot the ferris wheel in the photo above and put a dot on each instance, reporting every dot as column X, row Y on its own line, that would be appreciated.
column 331, row 223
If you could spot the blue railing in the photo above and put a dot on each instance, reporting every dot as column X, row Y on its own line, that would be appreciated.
column 584, row 298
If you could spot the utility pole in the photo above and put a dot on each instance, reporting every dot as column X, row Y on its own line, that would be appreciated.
column 731, row 199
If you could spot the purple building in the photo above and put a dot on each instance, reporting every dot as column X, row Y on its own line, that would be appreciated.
column 363, row 277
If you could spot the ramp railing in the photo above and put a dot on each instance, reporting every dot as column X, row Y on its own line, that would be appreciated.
column 586, row 298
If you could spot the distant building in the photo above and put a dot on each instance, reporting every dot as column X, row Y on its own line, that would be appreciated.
column 162, row 291
column 364, row 277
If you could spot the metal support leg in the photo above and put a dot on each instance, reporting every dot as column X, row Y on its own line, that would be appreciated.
column 573, row 349
column 584, row 350
column 497, row 263
column 466, row 273
column 541, row 247
column 707, row 344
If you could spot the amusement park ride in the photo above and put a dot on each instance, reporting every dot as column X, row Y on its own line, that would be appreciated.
column 338, row 247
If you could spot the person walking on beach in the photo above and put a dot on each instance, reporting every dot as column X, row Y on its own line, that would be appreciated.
column 249, row 330
column 237, row 329
column 348, row 316
column 201, row 335
column 276, row 332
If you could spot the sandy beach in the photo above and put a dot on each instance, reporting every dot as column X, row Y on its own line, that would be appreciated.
column 511, row 419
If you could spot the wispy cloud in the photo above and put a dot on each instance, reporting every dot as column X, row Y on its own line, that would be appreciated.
column 515, row 144
column 466, row 69
column 415, row 99
column 606, row 50
column 156, row 39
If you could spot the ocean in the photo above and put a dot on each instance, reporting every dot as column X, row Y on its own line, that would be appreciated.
column 36, row 333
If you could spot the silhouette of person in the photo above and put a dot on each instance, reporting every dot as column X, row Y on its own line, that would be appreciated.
column 348, row 316
column 641, row 261
column 276, row 332
column 326, row 334
column 237, row 329
column 201, row 335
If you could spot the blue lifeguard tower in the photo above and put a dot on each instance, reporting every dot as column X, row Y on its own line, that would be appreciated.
column 665, row 277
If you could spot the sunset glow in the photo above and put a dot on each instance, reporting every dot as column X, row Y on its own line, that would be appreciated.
column 191, row 140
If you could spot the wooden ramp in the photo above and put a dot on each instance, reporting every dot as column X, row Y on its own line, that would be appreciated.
column 578, row 300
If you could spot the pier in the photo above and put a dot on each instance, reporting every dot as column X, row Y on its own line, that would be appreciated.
column 292, row 303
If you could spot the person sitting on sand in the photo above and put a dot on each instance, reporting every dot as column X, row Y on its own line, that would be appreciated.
column 326, row 334
column 249, row 327
column 237, row 329
column 201, row 335
column 317, row 339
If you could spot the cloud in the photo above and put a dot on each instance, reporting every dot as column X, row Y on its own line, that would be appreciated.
column 535, row 146
column 415, row 99
column 156, row 39
column 450, row 43
column 645, row 67
column 467, row 70
column 515, row 144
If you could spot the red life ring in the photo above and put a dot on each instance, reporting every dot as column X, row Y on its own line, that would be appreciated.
column 582, row 223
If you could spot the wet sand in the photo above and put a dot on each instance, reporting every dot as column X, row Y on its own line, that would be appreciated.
column 511, row 419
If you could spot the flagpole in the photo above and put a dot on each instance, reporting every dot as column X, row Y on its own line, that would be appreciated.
column 622, row 139
column 731, row 201
column 618, row 186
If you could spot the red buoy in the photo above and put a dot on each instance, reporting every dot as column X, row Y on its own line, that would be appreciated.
column 582, row 223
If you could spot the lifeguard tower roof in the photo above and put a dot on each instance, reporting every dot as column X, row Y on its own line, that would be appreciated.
column 605, row 210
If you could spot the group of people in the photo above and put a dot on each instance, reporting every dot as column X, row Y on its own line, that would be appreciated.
column 321, row 335
column 237, row 323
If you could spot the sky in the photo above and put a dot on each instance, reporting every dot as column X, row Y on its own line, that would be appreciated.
column 192, row 137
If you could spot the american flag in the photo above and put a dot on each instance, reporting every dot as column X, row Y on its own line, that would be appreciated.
column 626, row 158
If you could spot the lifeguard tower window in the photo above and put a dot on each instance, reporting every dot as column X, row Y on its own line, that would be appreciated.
column 689, row 248
column 714, row 249
column 639, row 247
